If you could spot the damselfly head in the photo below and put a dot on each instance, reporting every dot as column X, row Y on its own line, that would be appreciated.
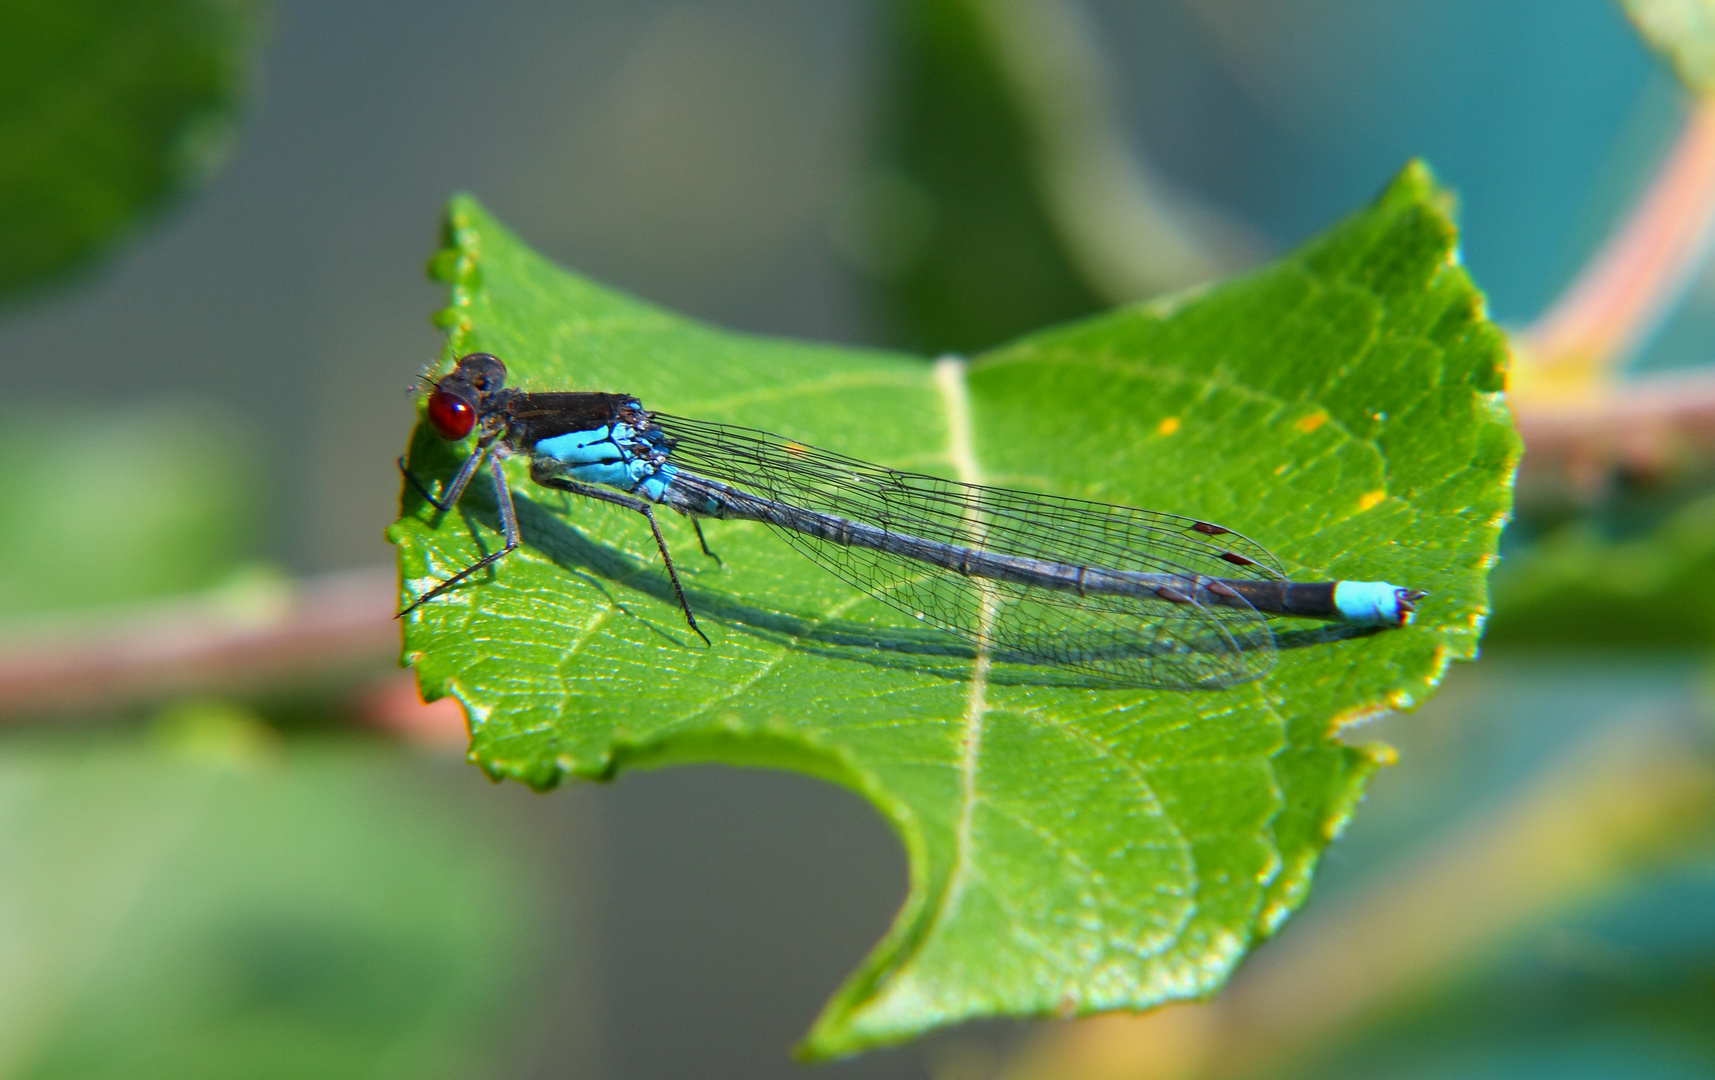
column 455, row 404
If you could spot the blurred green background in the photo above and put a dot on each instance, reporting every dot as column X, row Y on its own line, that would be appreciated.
column 213, row 219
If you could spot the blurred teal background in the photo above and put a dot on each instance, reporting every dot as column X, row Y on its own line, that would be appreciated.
column 248, row 888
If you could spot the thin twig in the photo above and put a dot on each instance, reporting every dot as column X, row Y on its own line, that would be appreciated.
column 1583, row 426
column 1643, row 429
column 230, row 639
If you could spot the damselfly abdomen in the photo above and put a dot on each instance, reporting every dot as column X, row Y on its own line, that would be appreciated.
column 1125, row 595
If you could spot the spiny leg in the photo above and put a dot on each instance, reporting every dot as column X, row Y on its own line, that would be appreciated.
column 591, row 491
column 673, row 574
column 508, row 530
column 698, row 525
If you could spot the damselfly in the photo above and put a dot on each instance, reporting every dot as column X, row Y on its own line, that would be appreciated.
column 1130, row 596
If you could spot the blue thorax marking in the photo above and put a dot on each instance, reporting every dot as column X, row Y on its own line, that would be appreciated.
column 617, row 456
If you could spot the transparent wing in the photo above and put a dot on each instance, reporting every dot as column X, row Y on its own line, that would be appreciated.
column 1136, row 640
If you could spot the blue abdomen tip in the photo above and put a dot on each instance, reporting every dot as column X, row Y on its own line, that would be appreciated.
column 1372, row 603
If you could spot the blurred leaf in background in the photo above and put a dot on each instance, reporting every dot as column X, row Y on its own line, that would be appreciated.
column 1581, row 586
column 108, row 108
column 1004, row 193
column 216, row 902
column 100, row 507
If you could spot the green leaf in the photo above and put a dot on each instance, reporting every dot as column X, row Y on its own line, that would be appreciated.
column 1682, row 32
column 107, row 108
column 180, row 517
column 1071, row 850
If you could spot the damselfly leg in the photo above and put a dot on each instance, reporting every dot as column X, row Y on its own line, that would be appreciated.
column 502, row 498
column 607, row 495
column 509, row 522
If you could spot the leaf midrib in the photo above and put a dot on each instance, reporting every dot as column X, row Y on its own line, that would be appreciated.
column 953, row 393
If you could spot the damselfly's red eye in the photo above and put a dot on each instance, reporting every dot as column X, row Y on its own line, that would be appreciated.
column 452, row 416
